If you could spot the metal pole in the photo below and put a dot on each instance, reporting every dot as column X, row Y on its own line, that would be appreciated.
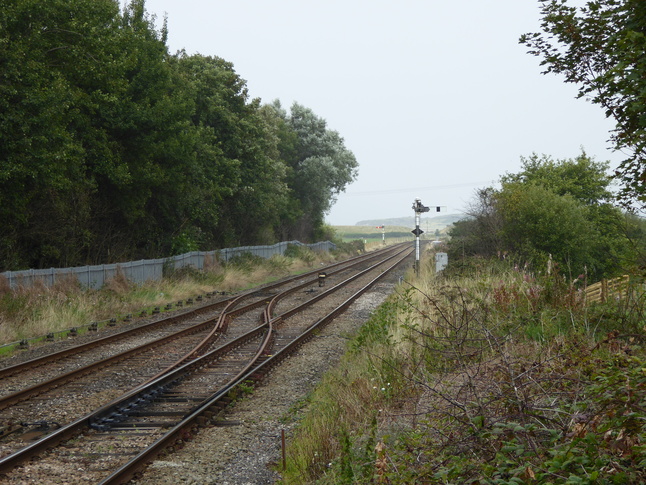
column 417, row 218
column 418, row 207
column 282, row 441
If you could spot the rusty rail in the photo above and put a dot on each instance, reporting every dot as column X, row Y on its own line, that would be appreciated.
column 76, row 427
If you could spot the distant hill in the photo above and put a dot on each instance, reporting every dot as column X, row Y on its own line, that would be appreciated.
column 428, row 223
column 397, row 227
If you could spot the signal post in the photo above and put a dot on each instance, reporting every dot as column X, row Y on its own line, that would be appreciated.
column 418, row 207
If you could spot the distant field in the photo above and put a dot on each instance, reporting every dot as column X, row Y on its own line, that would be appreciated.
column 349, row 233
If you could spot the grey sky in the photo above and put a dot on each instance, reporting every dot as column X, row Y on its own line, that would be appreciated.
column 434, row 98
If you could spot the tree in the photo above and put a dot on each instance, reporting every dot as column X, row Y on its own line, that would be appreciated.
column 45, row 196
column 582, row 177
column 240, row 159
column 112, row 149
column 600, row 47
column 550, row 209
column 89, row 113
column 538, row 223
column 321, row 165
column 479, row 233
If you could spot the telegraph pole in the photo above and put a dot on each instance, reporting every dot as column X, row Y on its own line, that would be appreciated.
column 418, row 207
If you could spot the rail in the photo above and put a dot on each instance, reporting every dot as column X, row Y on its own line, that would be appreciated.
column 105, row 416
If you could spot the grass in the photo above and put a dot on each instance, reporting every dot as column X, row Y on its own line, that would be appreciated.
column 34, row 312
column 488, row 375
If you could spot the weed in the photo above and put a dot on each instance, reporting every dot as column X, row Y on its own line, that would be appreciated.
column 497, row 376
column 29, row 312
column 300, row 252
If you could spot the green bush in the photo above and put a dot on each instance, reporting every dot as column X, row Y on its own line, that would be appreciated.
column 493, row 375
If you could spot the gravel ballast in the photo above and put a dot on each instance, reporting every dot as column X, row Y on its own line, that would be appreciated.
column 247, row 450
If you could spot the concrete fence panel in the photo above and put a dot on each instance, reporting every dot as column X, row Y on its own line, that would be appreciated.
column 147, row 269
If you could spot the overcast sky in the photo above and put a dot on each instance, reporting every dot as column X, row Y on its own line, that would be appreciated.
column 434, row 98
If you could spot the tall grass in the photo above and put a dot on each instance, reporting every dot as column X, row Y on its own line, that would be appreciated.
column 38, row 310
column 489, row 374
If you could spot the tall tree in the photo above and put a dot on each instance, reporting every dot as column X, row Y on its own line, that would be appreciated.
column 112, row 149
column 583, row 178
column 321, row 166
column 600, row 48
column 44, row 194
column 248, row 190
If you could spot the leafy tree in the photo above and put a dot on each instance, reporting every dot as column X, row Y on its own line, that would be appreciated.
column 87, row 106
column 480, row 232
column 44, row 195
column 600, row 47
column 538, row 222
column 321, row 166
column 583, row 178
column 112, row 149
column 550, row 209
column 247, row 179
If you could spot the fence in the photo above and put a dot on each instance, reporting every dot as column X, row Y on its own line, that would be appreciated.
column 147, row 269
column 604, row 289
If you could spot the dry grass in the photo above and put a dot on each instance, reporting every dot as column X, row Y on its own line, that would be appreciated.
column 5, row 288
column 482, row 368
column 29, row 312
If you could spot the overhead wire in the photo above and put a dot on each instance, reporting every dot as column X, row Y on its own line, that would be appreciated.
column 415, row 189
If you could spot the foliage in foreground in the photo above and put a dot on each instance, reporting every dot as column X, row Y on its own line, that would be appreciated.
column 599, row 46
column 500, row 379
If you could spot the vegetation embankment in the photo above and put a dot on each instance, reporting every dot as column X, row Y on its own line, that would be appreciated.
column 34, row 312
column 489, row 373
column 499, row 371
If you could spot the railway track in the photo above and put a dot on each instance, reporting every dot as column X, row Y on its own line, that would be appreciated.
column 164, row 342
column 247, row 337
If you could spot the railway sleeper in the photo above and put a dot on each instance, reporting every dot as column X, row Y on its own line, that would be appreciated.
column 130, row 425
column 139, row 414
column 178, row 399
column 7, row 430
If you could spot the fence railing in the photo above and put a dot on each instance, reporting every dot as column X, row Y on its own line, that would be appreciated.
column 147, row 269
column 605, row 289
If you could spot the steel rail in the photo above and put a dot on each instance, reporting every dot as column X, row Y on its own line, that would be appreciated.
column 77, row 426
column 46, row 359
column 57, row 381
column 211, row 407
column 230, row 311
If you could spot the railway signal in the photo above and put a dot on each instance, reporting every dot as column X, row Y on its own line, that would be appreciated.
column 383, row 233
column 419, row 209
